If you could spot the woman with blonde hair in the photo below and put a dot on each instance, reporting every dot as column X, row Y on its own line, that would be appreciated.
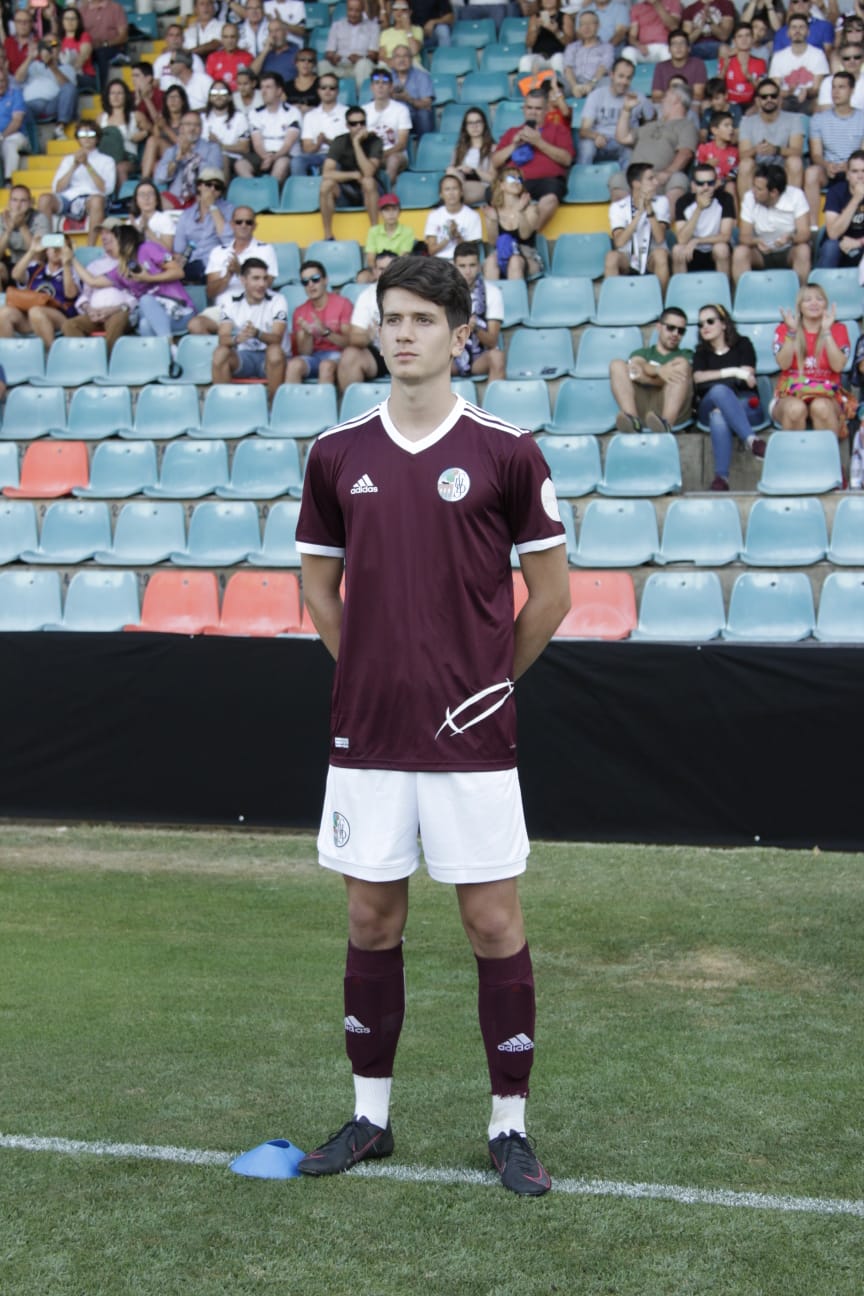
column 812, row 349
column 472, row 156
column 512, row 218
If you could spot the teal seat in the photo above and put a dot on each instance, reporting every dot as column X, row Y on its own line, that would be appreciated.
column 23, row 358
column 540, row 353
column 526, row 404
column 96, row 413
column 302, row 410
column 233, row 411
column 761, row 334
column 590, row 183
column 162, row 413
column 473, row 33
column 513, row 31
column 287, row 263
column 146, row 532
column 195, row 358
column 785, row 533
column 72, row 532
column 583, row 407
column 681, row 607
column 580, row 255
column 191, row 469
column 617, row 533
column 629, row 299
column 841, row 609
column 801, row 463
column 770, row 607
column 120, row 469
column 264, row 468
column 843, row 289
column 137, row 361
column 452, row 114
column 574, row 464
column 317, row 14
column 278, row 547
column 507, row 113
column 29, row 600
column 261, row 193
column 514, row 293
column 599, row 346
column 9, row 473
column 451, row 60
column 641, row 463
column 762, row 294
column 100, row 601
column 643, row 78
column 446, row 90
column 340, row 257
column 220, row 534
column 33, row 412
column 418, row 189
column 435, row 149
column 561, row 303
column 466, row 388
column 847, row 534
column 359, row 398
column 74, row 361
column 482, row 88
column 300, row 194
column 501, row 58
column 17, row 529
column 690, row 292
column 706, row 532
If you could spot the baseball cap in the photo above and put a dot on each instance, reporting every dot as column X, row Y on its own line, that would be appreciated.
column 182, row 56
column 388, row 200
column 211, row 173
column 111, row 222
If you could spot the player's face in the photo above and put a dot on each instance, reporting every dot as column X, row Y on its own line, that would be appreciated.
column 417, row 343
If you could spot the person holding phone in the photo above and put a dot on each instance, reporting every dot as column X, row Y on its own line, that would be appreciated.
column 45, row 271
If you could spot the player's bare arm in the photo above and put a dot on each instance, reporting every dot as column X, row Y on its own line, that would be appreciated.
column 322, row 577
column 546, row 576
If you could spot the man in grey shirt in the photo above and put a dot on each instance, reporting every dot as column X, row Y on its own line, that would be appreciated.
column 600, row 115
column 770, row 136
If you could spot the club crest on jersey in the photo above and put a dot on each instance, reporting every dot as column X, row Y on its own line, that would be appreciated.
column 504, row 689
column 453, row 485
column 341, row 829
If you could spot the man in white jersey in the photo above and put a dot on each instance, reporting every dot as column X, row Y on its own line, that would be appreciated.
column 251, row 328
column 423, row 496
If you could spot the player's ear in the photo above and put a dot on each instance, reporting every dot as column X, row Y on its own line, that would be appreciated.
column 459, row 339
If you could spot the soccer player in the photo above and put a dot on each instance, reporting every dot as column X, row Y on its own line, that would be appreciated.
column 419, row 500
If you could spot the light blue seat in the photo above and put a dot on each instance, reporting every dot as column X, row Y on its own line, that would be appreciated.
column 261, row 193
column 843, row 290
column 96, row 413
column 643, row 77
column 264, row 468
column 452, row 114
column 847, row 533
column 629, row 299
column 220, row 534
column 446, row 92
column 514, row 293
column 435, row 149
column 451, row 60
column 233, row 411
column 466, row 388
column 29, row 600
column 120, row 469
column 72, row 532
column 473, row 33
column 278, row 547
column 482, row 88
column 590, row 183
column 287, row 263
column 574, row 463
column 854, row 332
column 513, row 31
column 706, row 532
column 617, row 533
column 785, row 533
column 641, row 463
column 507, row 113
column 33, row 412
column 524, row 403
column 74, row 361
column 302, row 410
column 418, row 189
column 23, row 359
column 599, row 346
column 136, row 361
column 9, row 471
column 361, row 397
column 690, row 292
column 17, row 529
column 100, row 601
column 770, row 607
column 761, row 294
column 146, row 532
column 761, row 334
column 501, row 58
column 317, row 14
column 801, row 463
column 162, row 413
column 681, row 607
column 841, row 609
column 352, row 291
column 300, row 194
column 195, row 358
column 539, row 353
column 340, row 257
column 561, row 303
column 583, row 407
column 191, row 469
column 580, row 255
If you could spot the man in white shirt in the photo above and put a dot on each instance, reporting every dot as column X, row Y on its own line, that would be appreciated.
column 224, row 266
column 352, row 45
column 799, row 69
column 162, row 73
column 293, row 15
column 361, row 359
column 704, row 221
column 774, row 228
column 275, row 128
column 851, row 60
column 320, row 126
column 196, row 84
column 255, row 31
column 204, row 33
column 83, row 182
column 638, row 225
column 390, row 121
column 481, row 354
column 251, row 328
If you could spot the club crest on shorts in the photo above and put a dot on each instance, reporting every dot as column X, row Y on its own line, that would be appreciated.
column 341, row 829
column 453, row 485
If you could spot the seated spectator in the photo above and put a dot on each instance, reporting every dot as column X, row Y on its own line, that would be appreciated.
column 149, row 99
column 152, row 275
column 292, row 15
column 248, row 95
column 704, row 222
column 511, row 229
column 472, row 156
column 181, row 164
column 550, row 31
column 388, row 236
column 12, row 113
column 49, row 87
column 669, row 143
column 774, row 229
column 224, row 266
column 849, row 58
column 320, row 127
column 120, row 130
column 107, row 26
column 414, row 88
column 148, row 215
column 302, row 90
column 834, row 135
column 812, row 349
column 708, row 24
column 20, row 224
column 654, row 386
column 481, row 354
column 350, row 171
column 205, row 224
column 435, row 19
column 716, row 101
column 587, row 60
column 22, row 42
column 275, row 128
column 76, row 50
column 47, row 271
column 361, row 359
column 720, row 151
column 225, row 126
column 226, row 61
column 681, row 63
column 254, row 30
column 799, row 68
column 320, row 328
column 404, row 31
column 277, row 54
column 763, row 37
column 165, row 131
column 638, row 225
column 820, row 32
column 203, row 34
column 83, row 182
column 163, row 64
column 742, row 71
column 770, row 136
column 724, row 375
column 390, row 121
column 650, row 25
column 102, row 310
column 844, row 217
column 352, row 44
column 599, row 121
column 543, row 151
column 196, row 84
column 451, row 223
column 251, row 331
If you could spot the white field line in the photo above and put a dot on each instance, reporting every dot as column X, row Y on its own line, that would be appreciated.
column 476, row 1178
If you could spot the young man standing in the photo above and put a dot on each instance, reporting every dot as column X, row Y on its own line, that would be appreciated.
column 427, row 489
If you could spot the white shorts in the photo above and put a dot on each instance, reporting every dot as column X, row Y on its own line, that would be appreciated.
column 472, row 826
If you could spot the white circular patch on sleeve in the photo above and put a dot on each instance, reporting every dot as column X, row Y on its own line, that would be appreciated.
column 549, row 500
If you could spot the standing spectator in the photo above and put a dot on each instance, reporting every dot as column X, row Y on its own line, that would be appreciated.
column 708, row 24
column 844, row 217
column 481, row 354
column 320, row 328
column 834, row 136
column 352, row 45
column 799, row 68
column 350, row 171
column 387, row 236
column 599, row 121
column 550, row 31
column 12, row 111
column 812, row 349
column 183, row 163
column 108, row 28
column 774, row 230
column 205, row 224
column 586, row 60
column 20, row 224
column 321, row 126
column 302, row 91
column 361, row 359
column 277, row 55
column 403, row 32
column 83, row 182
column 203, row 34
column 543, row 151
column 435, row 18
column 49, row 87
column 724, row 375
column 511, row 228
column 472, row 156
column 47, row 270
column 654, row 386
column 251, row 331
column 742, row 71
column 224, row 266
column 275, row 129
column 195, row 84
column 165, row 131
column 683, row 63
column 163, row 63
column 224, row 125
column 651, row 21
column 224, row 64
column 770, row 137
column 452, row 222
column 638, row 224
column 413, row 87
column 704, row 222
column 254, row 31
column 669, row 143
column 390, row 121
column 76, row 49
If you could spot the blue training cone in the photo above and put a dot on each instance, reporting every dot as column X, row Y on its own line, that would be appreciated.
column 277, row 1159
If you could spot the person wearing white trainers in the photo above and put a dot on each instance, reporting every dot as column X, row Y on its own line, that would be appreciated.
column 724, row 374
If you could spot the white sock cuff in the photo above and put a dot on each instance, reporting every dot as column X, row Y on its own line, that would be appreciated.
column 508, row 1113
column 372, row 1098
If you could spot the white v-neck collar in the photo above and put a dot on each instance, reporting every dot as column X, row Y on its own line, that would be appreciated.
column 431, row 438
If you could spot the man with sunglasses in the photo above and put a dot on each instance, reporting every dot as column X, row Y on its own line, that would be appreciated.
column 704, row 221
column 204, row 224
column 770, row 136
column 182, row 165
column 851, row 56
column 834, row 135
column 350, row 171
column 321, row 126
column 223, row 274
column 275, row 128
column 390, row 121
column 83, row 182
column 654, row 386
column 320, row 328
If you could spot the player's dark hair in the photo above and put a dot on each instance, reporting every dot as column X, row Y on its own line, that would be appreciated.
column 314, row 265
column 432, row 278
column 253, row 263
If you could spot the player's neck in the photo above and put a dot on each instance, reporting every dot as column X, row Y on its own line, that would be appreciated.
column 417, row 409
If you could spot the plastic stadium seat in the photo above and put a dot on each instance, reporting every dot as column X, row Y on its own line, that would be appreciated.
column 74, row 361
column 352, row 291
column 854, row 331
column 770, row 607
column 220, row 534
column 583, row 407
column 847, row 534
column 841, row 609
column 590, row 183
column 598, row 346
column 100, row 601
column 120, row 469
column 481, row 88
column 514, row 294
column 785, row 533
column 450, row 60
column 146, row 532
column 72, row 532
column 706, row 532
column 287, row 263
column 617, row 533
column 629, row 299
column 690, row 292
column 29, row 600
column 300, row 194
column 580, row 255
column 233, row 411
column 50, row 469
column 466, row 388
column 195, row 358
column 801, row 463
column 435, row 149
column 17, row 529
column 302, row 410
column 97, row 412
column 565, row 509
column 761, row 334
column 507, row 113
column 473, row 33
column 163, row 413
column 446, row 90
column 263, row 468
column 340, row 257
column 8, row 465
column 22, row 359
column 136, row 361
column 191, row 469
column 843, row 290
column 526, row 404
column 501, row 58
column 602, row 606
column 259, row 603
column 33, row 412
column 574, row 463
column 278, row 547
column 360, row 397
column 681, row 607
column 451, row 116
column 560, row 302
column 177, row 602
column 513, row 31
column 761, row 294
column 641, row 463
column 418, row 189
column 539, row 353
column 261, row 193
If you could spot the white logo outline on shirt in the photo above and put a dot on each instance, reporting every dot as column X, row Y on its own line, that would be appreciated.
column 364, row 486
column 505, row 688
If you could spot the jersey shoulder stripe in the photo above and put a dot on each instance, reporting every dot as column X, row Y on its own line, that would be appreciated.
column 351, row 424
column 492, row 421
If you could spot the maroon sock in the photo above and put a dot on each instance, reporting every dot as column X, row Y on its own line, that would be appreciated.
column 506, row 1005
column 374, row 1008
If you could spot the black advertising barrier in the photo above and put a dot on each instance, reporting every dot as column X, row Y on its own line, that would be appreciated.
column 717, row 744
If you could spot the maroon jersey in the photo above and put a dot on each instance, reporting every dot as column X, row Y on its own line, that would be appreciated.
column 424, row 679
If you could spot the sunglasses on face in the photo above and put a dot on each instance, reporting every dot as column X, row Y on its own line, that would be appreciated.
column 86, row 135
column 243, row 220
column 210, row 184
column 851, row 58
column 704, row 184
column 712, row 319
column 312, row 278
column 680, row 329
column 357, row 121
column 767, row 98
column 325, row 85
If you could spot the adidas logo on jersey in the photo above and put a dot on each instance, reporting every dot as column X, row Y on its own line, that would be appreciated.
column 356, row 1027
column 364, row 486
column 516, row 1044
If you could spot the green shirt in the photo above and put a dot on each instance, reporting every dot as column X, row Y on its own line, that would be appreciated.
column 400, row 242
column 660, row 357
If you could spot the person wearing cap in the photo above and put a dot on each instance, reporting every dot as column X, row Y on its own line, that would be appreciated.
column 387, row 235
column 390, row 121
column 251, row 331
column 196, row 84
column 321, row 126
column 350, row 171
column 352, row 45
column 203, row 34
column 107, row 26
column 413, row 87
column 162, row 63
column 83, row 182
column 181, row 165
column 205, row 224
column 49, row 87
column 224, row 266
column 275, row 128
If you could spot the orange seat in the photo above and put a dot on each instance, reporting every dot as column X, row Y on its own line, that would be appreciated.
column 179, row 602
column 259, row 603
column 603, row 606
column 50, row 469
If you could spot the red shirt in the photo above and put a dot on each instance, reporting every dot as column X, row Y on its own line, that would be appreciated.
column 337, row 310
column 222, row 66
column 817, row 370
column 723, row 159
column 15, row 53
column 738, row 88
column 542, row 167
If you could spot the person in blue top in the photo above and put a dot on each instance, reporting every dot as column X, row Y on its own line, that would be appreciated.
column 820, row 33
column 12, row 110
